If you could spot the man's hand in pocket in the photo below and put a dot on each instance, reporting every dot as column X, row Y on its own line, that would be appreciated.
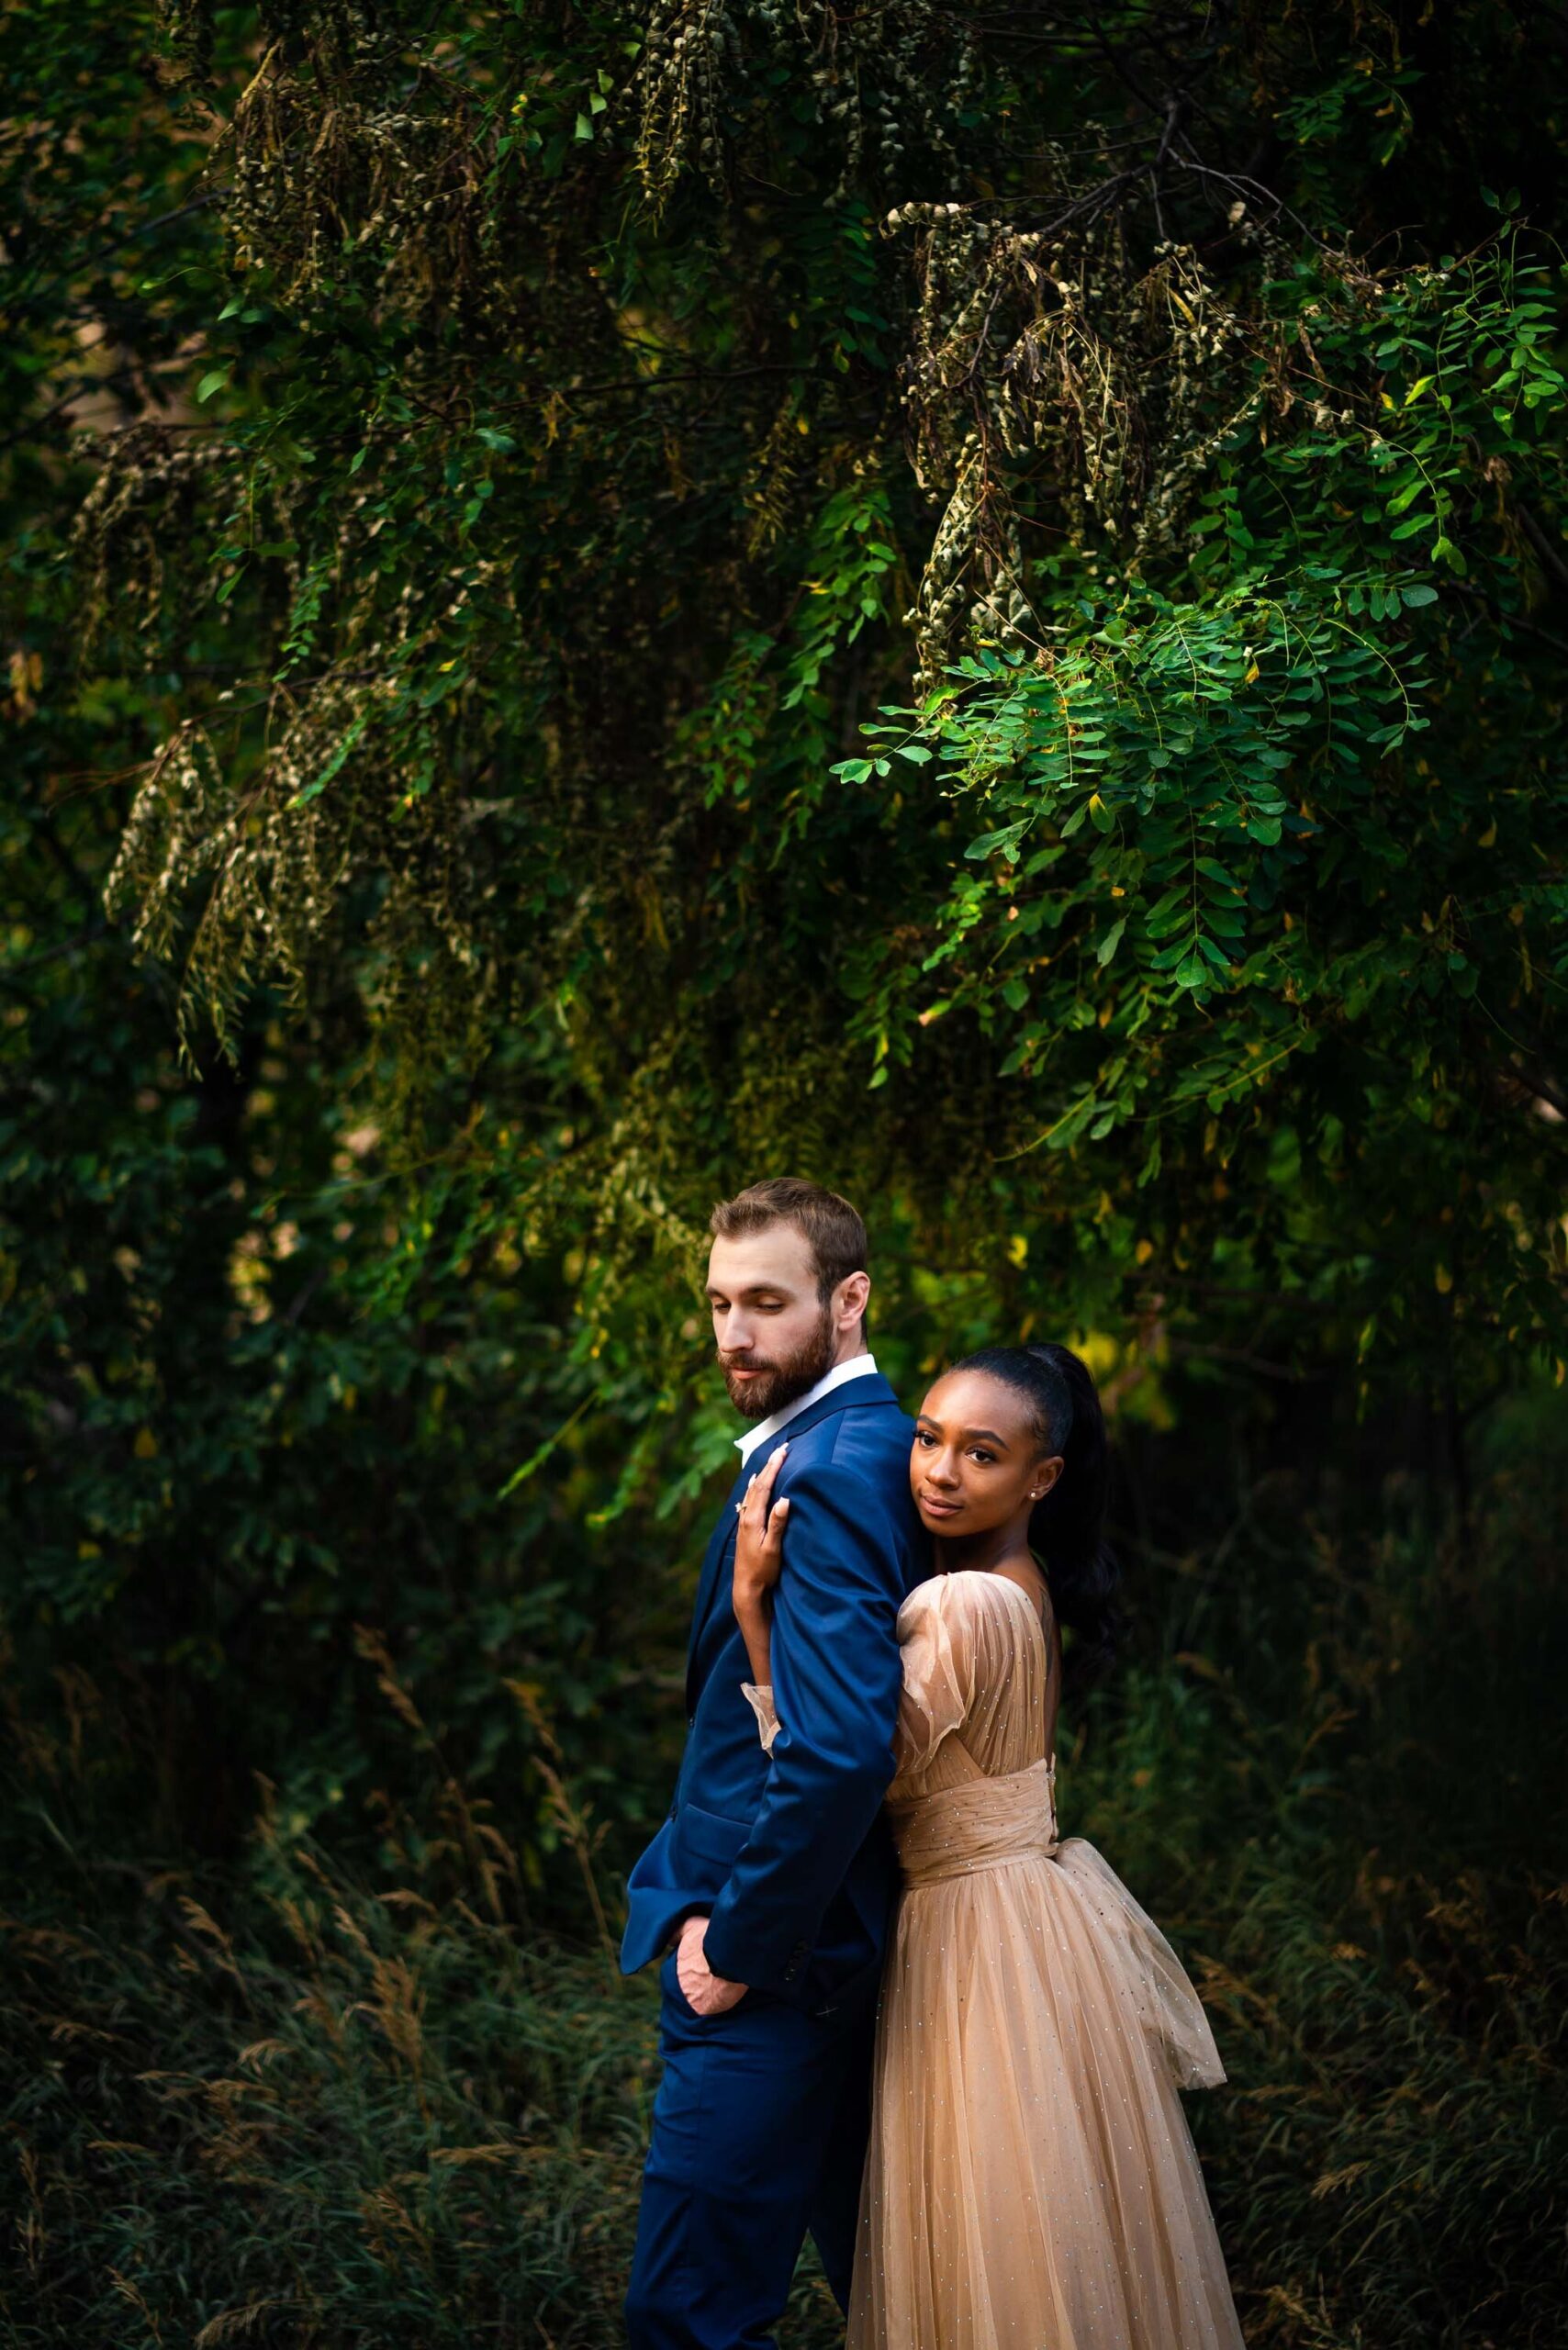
column 707, row 1993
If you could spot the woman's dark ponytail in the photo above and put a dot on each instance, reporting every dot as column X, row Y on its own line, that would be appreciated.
column 1067, row 1528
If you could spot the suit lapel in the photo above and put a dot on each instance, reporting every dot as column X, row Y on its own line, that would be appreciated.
column 719, row 1544
column 854, row 1395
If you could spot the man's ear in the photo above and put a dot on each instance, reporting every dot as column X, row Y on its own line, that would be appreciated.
column 850, row 1304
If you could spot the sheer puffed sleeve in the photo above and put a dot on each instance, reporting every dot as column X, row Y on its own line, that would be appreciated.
column 936, row 1649
column 759, row 1696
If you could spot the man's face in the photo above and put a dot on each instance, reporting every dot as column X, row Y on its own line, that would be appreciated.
column 774, row 1335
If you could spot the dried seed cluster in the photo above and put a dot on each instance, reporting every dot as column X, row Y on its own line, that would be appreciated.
column 1060, row 374
column 887, row 82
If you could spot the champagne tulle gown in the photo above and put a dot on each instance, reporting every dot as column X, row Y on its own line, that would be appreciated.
column 1031, row 2183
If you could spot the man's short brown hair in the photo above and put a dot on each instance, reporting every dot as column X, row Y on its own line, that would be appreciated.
column 833, row 1229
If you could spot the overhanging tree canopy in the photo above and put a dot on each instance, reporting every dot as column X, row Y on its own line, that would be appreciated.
column 1147, row 421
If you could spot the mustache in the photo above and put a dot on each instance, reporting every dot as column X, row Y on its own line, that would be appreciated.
column 746, row 1362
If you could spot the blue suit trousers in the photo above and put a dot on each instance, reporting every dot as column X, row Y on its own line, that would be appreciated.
column 759, row 2133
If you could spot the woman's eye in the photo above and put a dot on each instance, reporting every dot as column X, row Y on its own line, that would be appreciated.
column 982, row 1457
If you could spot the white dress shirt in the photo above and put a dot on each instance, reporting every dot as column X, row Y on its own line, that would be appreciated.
column 857, row 1367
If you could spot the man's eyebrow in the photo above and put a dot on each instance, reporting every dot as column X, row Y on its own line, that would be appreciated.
column 751, row 1289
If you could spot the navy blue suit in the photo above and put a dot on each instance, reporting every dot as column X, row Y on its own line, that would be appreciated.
column 759, row 2127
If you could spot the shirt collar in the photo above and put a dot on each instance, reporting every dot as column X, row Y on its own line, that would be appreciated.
column 858, row 1366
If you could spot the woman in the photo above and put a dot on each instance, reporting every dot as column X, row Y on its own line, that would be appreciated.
column 1030, row 2179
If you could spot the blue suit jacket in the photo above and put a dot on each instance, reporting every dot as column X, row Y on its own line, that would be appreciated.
column 791, row 1855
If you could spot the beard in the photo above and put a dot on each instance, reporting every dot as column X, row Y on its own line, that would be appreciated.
column 782, row 1378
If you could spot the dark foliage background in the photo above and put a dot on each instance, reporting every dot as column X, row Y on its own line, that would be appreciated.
column 599, row 601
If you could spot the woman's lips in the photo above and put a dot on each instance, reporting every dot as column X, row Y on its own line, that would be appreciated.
column 935, row 1508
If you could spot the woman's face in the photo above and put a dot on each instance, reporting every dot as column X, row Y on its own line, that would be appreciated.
column 976, row 1462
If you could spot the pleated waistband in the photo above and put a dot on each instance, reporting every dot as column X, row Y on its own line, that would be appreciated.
column 985, row 1823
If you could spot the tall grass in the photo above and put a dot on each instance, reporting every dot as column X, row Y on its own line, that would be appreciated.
column 307, row 2101
column 349, row 2117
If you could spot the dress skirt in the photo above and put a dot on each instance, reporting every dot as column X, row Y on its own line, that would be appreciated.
column 1031, row 2183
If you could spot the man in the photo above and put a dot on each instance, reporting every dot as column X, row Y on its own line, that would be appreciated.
column 771, row 1883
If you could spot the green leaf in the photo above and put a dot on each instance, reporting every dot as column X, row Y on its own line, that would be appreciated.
column 1110, row 942
column 998, row 844
column 313, row 789
column 1172, row 913
column 1066, row 1130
